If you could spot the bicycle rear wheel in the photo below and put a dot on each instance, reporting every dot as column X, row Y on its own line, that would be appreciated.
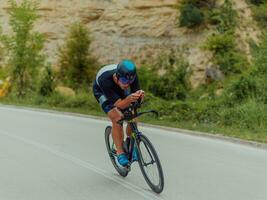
column 150, row 164
column 112, row 152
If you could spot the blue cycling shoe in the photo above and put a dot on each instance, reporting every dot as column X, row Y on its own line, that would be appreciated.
column 123, row 160
column 135, row 154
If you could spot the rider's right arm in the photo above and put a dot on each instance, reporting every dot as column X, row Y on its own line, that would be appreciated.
column 124, row 103
column 121, row 103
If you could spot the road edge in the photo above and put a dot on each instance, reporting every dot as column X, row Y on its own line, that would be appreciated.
column 175, row 130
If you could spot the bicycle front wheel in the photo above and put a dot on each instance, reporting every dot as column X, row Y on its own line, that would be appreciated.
column 112, row 152
column 150, row 164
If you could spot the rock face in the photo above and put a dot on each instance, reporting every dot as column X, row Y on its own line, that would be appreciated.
column 247, row 29
column 134, row 29
column 120, row 28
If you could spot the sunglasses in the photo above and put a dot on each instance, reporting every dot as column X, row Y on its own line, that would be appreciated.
column 126, row 81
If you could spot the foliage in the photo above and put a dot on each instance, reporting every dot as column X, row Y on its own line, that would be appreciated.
column 144, row 77
column 258, row 2
column 215, row 16
column 224, row 17
column 231, row 62
column 47, row 83
column 81, row 100
column 167, row 78
column 196, row 12
column 201, row 3
column 226, row 57
column 259, row 70
column 1, row 48
column 24, row 46
column 260, row 56
column 248, row 115
column 227, row 16
column 220, row 43
column 191, row 16
column 168, row 87
column 260, row 14
column 242, row 88
column 77, row 65
column 243, row 104
column 251, row 84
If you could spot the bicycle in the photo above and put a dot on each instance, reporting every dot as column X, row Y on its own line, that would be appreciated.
column 147, row 154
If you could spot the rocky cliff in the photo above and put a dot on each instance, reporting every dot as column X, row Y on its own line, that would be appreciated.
column 135, row 29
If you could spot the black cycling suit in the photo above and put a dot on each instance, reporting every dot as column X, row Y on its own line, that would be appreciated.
column 107, row 92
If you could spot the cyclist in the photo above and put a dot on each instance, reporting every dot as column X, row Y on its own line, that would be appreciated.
column 116, row 86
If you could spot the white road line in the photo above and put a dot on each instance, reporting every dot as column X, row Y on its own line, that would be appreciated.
column 87, row 165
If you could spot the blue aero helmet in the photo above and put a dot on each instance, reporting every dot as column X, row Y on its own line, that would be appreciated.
column 126, row 71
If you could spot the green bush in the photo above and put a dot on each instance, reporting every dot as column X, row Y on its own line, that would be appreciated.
column 175, row 110
column 215, row 17
column 201, row 3
column 242, row 88
column 168, row 87
column 223, row 17
column 228, row 16
column 54, row 100
column 1, row 48
column 260, row 57
column 205, row 111
column 262, row 88
column 191, row 16
column 80, row 101
column 260, row 14
column 77, row 65
column 226, row 56
column 167, row 77
column 171, row 110
column 258, row 2
column 173, row 84
column 251, row 84
column 231, row 62
column 144, row 77
column 47, row 83
column 259, row 70
column 220, row 43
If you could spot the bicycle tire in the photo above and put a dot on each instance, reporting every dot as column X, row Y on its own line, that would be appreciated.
column 121, row 170
column 158, row 188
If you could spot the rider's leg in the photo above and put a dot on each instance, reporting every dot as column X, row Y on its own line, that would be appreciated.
column 117, row 129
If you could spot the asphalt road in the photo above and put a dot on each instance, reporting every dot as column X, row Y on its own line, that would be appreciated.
column 46, row 156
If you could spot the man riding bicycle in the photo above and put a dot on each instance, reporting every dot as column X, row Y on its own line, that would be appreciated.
column 115, row 88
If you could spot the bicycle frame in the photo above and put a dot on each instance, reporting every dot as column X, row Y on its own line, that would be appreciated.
column 134, row 140
column 134, row 137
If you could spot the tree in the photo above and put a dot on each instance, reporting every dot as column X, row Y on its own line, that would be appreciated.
column 77, row 65
column 24, row 46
